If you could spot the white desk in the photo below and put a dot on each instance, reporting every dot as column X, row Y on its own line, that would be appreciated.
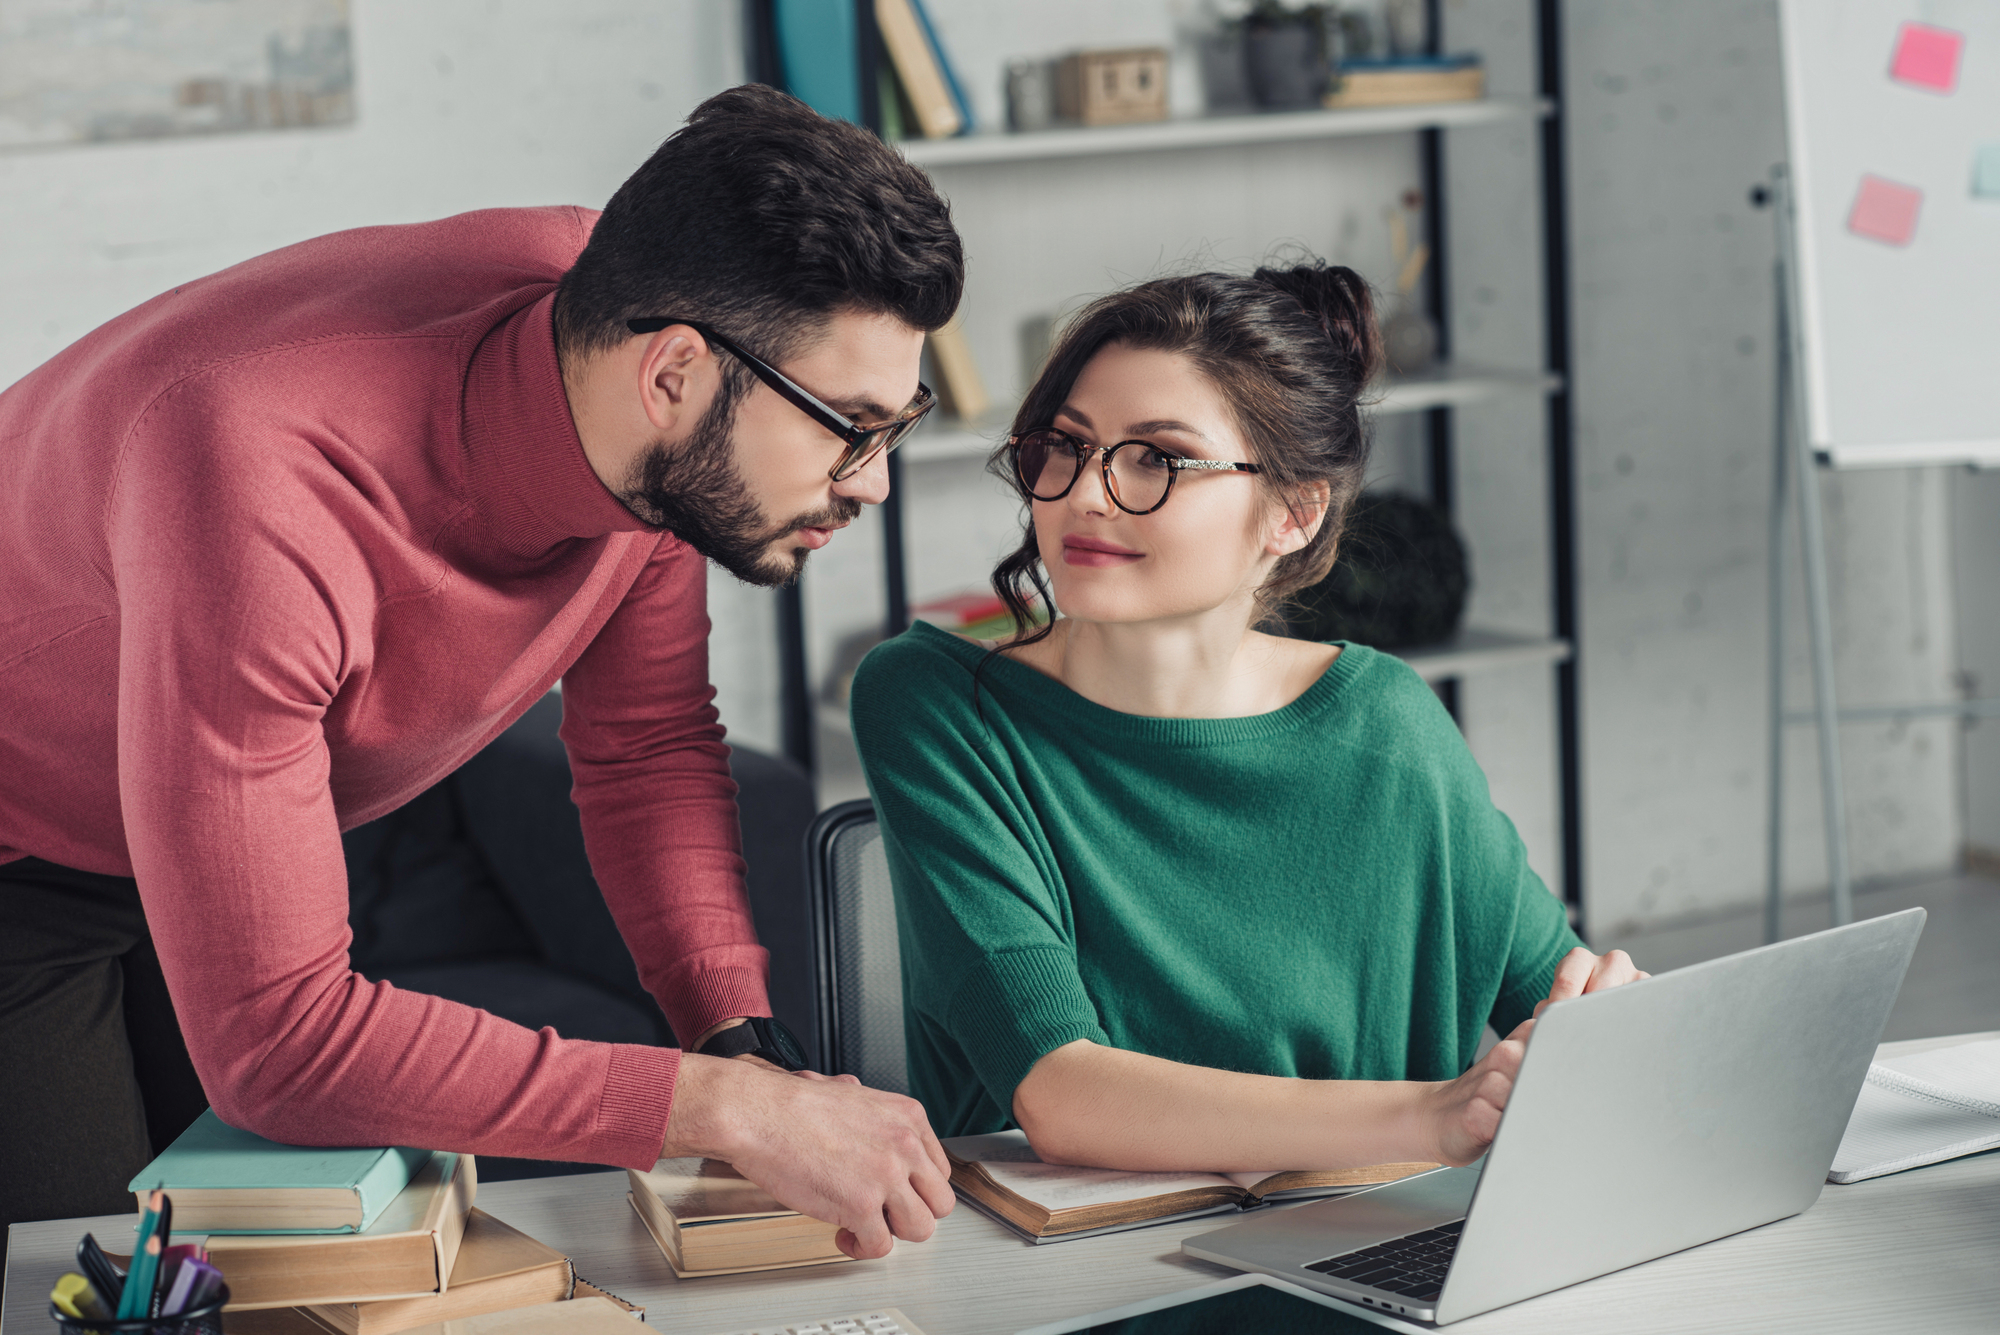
column 1917, row 1251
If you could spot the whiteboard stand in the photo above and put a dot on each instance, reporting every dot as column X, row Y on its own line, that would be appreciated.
column 1795, row 458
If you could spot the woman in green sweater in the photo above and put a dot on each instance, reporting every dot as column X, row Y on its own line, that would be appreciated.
column 1174, row 893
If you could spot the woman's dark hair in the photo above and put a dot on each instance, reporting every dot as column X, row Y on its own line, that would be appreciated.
column 762, row 217
column 1290, row 349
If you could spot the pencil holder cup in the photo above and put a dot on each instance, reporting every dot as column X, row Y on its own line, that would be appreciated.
column 203, row 1320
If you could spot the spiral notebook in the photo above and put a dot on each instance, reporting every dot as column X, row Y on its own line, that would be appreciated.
column 1922, row 1109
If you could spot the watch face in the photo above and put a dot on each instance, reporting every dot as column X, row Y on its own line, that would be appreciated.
column 787, row 1047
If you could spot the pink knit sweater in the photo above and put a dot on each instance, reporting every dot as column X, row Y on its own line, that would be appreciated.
column 280, row 549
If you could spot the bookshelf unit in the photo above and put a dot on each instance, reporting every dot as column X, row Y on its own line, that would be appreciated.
column 945, row 453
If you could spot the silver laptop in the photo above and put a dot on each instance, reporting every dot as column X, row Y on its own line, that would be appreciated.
column 1647, row 1119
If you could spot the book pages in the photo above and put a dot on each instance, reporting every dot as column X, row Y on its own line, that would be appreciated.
column 1012, row 1163
column 694, row 1189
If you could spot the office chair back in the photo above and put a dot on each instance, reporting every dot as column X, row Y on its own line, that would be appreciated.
column 860, row 962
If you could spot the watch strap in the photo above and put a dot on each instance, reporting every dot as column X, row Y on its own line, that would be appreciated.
column 734, row 1041
column 758, row 1036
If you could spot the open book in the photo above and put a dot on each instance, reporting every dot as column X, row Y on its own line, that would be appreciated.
column 1922, row 1109
column 1001, row 1174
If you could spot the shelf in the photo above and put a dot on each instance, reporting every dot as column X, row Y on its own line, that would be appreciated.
column 1473, row 650
column 954, row 439
column 1470, row 651
column 1448, row 386
column 1215, row 131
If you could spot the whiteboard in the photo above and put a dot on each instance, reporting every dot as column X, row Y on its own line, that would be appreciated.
column 1894, row 133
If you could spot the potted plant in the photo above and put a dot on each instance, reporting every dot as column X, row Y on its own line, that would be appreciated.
column 1286, row 55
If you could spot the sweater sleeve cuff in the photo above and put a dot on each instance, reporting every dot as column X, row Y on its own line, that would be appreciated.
column 1511, row 1007
column 632, row 1110
column 1017, row 1007
column 716, row 985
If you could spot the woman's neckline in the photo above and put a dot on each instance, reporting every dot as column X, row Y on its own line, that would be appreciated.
column 999, row 669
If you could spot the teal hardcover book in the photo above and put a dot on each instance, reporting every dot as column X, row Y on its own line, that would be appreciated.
column 223, row 1180
column 816, row 47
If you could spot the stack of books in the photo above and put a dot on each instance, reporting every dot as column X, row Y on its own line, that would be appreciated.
column 348, row 1241
column 1407, row 79
column 977, row 615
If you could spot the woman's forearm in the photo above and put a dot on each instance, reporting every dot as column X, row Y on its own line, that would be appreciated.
column 1108, row 1108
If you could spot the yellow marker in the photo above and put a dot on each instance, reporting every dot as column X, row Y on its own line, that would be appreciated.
column 73, row 1296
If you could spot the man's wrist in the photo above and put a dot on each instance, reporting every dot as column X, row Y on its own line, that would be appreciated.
column 701, row 1121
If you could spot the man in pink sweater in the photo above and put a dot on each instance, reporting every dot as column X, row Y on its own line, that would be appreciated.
column 284, row 546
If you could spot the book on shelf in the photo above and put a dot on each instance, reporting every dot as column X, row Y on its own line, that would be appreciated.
column 977, row 614
column 709, row 1220
column 960, row 387
column 1922, row 1109
column 966, row 123
column 1002, row 1175
column 920, row 67
column 497, row 1267
column 408, row 1252
column 225, row 1180
column 1407, row 80
column 817, row 45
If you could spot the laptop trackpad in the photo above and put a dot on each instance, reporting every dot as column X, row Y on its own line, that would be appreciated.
column 1280, row 1239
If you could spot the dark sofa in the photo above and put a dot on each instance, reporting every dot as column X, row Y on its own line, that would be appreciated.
column 479, row 891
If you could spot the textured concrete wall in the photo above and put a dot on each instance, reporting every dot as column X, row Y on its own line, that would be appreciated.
column 462, row 104
column 1675, row 111
column 1976, row 534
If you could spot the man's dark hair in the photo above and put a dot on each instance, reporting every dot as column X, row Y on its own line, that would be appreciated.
column 763, row 218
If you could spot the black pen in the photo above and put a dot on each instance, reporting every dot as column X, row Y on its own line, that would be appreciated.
column 105, row 1277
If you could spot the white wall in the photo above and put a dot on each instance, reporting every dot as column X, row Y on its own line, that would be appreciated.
column 1674, row 112
column 462, row 104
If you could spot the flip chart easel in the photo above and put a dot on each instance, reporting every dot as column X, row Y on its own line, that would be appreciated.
column 1887, row 311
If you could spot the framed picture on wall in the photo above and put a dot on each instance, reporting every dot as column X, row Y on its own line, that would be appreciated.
column 84, row 71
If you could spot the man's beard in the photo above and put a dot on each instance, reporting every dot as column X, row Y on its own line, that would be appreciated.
column 696, row 492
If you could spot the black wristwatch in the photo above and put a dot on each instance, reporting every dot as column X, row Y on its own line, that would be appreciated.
column 760, row 1037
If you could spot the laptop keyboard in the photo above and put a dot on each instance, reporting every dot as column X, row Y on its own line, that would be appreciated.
column 1413, row 1265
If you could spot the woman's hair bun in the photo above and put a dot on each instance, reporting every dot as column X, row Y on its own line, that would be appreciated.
column 1338, row 298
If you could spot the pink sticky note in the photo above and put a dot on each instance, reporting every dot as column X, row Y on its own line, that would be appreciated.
column 1926, row 56
column 1885, row 211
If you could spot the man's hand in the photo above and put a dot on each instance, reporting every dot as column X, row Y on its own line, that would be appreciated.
column 834, row 1149
column 1581, row 972
column 1463, row 1115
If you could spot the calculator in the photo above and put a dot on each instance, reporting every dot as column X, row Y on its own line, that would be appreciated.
column 881, row 1321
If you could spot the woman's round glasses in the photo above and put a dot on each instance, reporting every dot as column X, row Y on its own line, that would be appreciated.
column 1138, row 477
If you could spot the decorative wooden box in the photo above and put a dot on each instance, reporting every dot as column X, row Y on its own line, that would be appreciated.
column 1113, row 87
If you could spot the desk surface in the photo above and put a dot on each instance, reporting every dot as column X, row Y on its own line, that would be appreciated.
column 1919, row 1250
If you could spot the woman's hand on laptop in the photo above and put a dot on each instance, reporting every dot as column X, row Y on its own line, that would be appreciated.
column 1581, row 972
column 1464, row 1114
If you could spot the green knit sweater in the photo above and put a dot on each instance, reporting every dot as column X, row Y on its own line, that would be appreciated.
column 1323, row 891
